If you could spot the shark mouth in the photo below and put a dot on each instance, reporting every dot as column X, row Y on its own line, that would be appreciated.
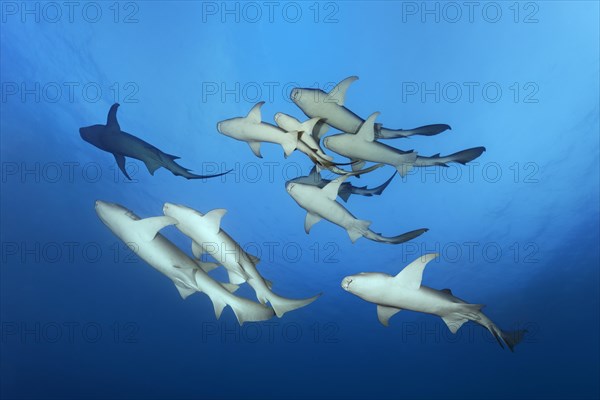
column 346, row 283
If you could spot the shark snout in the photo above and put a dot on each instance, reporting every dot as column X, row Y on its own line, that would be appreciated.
column 219, row 126
column 289, row 186
column 295, row 95
column 346, row 283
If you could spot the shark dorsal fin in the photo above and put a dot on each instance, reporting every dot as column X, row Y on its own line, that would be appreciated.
column 338, row 93
column 254, row 115
column 332, row 188
column 147, row 228
column 213, row 219
column 111, row 119
column 412, row 274
column 314, row 175
column 367, row 129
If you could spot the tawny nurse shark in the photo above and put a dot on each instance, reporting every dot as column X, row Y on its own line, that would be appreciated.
column 121, row 144
column 362, row 146
column 208, row 237
column 189, row 276
column 346, row 189
column 330, row 108
column 404, row 291
column 252, row 130
column 320, row 204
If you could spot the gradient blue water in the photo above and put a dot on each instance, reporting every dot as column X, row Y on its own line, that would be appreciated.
column 85, row 325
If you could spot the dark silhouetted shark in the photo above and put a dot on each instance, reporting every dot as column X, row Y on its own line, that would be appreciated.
column 121, row 144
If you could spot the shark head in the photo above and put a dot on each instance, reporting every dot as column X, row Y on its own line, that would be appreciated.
column 362, row 284
column 230, row 127
column 92, row 134
column 308, row 99
column 115, row 216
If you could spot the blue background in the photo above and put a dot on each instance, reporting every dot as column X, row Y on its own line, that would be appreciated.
column 177, row 69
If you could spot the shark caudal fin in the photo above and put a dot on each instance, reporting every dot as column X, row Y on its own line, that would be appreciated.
column 426, row 130
column 290, row 143
column 510, row 338
column 379, row 189
column 465, row 156
column 405, row 237
column 281, row 305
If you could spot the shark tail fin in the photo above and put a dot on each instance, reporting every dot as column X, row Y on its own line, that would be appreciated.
column 426, row 130
column 465, row 156
column 281, row 305
column 291, row 142
column 405, row 237
column 510, row 338
column 379, row 189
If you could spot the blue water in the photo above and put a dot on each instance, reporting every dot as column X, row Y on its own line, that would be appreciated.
column 518, row 230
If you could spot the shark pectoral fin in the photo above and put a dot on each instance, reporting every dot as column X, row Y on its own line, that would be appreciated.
column 338, row 93
column 255, row 115
column 454, row 321
column 218, row 305
column 308, row 126
column 332, row 188
column 147, row 228
column 213, row 219
column 152, row 165
column 111, row 119
column 121, row 163
column 255, row 146
column 412, row 275
column 448, row 291
column 197, row 250
column 314, row 175
column 184, row 289
column 384, row 313
column 236, row 278
column 231, row 287
column 206, row 266
column 319, row 130
column 367, row 129
column 310, row 220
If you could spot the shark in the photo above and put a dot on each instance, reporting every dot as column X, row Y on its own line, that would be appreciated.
column 252, row 130
column 362, row 146
column 405, row 291
column 320, row 203
column 121, row 144
column 346, row 189
column 330, row 107
column 208, row 237
column 188, row 275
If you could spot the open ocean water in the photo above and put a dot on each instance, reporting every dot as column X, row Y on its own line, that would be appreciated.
column 517, row 229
